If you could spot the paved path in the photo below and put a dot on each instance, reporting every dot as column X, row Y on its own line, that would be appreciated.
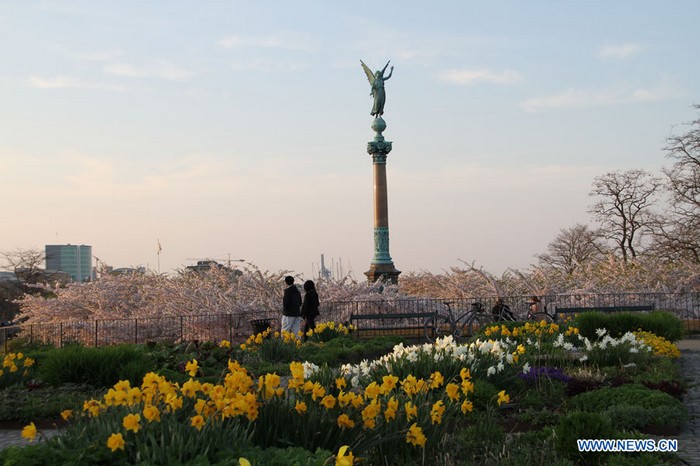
column 688, row 443
column 688, row 440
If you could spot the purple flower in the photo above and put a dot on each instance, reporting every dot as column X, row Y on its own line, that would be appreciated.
column 550, row 373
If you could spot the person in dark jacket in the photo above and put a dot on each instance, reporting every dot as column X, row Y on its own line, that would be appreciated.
column 291, row 307
column 309, row 309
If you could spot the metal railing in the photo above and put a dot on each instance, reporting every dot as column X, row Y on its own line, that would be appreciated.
column 216, row 327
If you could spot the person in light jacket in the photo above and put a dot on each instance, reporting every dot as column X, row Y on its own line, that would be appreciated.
column 291, row 307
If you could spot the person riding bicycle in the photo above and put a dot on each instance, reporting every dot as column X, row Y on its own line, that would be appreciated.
column 501, row 311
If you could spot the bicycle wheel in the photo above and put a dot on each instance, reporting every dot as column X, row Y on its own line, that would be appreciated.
column 540, row 316
column 474, row 324
column 437, row 327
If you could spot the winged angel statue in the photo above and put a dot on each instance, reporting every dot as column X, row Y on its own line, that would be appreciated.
column 376, row 80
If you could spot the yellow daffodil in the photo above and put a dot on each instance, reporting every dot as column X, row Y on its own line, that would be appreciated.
column 437, row 411
column 342, row 459
column 243, row 462
column 411, row 410
column 132, row 422
column 436, row 379
column 415, row 436
column 452, row 390
column 151, row 413
column 197, row 422
column 328, row 401
column 66, row 414
column 300, row 407
column 344, row 421
column 29, row 432
column 192, row 367
column 115, row 442
column 467, row 407
column 503, row 398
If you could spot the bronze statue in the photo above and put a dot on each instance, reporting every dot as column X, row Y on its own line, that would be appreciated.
column 376, row 80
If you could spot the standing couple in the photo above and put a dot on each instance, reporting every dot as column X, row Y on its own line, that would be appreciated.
column 294, row 310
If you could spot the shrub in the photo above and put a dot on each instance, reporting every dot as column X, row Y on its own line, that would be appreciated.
column 631, row 406
column 480, row 440
column 629, row 394
column 99, row 367
column 663, row 324
column 582, row 425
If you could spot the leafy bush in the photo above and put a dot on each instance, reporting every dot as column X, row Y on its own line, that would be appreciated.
column 663, row 324
column 480, row 440
column 99, row 367
column 19, row 404
column 627, row 416
column 629, row 394
column 631, row 406
column 582, row 425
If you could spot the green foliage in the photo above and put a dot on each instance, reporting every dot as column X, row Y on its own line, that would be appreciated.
column 278, row 350
column 530, row 448
column 626, row 416
column 538, row 417
column 18, row 404
column 663, row 324
column 663, row 370
column 99, row 367
column 629, row 394
column 290, row 456
column 631, row 406
column 345, row 350
column 484, row 394
column 482, row 439
column 582, row 425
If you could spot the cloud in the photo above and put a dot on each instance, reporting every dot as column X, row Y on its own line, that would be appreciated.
column 66, row 82
column 621, row 51
column 163, row 70
column 268, row 65
column 578, row 98
column 284, row 42
column 469, row 77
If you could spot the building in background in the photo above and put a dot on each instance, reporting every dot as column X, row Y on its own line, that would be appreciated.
column 75, row 260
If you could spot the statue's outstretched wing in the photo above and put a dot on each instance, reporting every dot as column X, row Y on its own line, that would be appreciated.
column 368, row 72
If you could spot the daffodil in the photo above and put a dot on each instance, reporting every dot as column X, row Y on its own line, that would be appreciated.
column 467, row 407
column 328, row 401
column 300, row 407
column 342, row 459
column 415, row 436
column 192, row 367
column 132, row 422
column 29, row 432
column 344, row 421
column 115, row 442
column 197, row 422
column 503, row 398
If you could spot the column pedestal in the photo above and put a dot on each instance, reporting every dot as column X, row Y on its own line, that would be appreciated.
column 382, row 267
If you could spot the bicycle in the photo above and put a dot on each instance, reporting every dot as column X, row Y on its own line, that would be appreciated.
column 462, row 325
column 534, row 314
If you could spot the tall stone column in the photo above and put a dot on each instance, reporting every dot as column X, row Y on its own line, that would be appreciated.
column 382, row 266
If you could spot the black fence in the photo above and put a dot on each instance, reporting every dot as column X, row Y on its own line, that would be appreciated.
column 685, row 306
column 217, row 327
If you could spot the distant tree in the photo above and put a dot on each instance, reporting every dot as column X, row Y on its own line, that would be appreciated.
column 624, row 208
column 573, row 247
column 27, row 264
column 677, row 234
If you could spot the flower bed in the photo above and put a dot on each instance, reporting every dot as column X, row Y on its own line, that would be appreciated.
column 442, row 403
